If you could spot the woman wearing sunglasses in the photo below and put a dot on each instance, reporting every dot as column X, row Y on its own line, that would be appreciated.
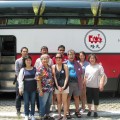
column 60, row 73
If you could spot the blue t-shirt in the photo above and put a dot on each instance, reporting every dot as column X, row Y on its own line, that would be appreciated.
column 72, row 72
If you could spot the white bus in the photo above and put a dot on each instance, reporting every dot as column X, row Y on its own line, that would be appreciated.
column 93, row 27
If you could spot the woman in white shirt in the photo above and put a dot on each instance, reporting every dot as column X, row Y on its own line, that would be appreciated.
column 91, row 79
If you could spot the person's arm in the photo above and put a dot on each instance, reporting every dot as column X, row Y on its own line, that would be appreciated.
column 54, row 76
column 102, row 79
column 84, row 81
column 15, row 79
column 67, row 75
column 16, row 68
column 85, row 78
column 16, row 71
column 39, row 78
column 20, row 81
column 40, row 87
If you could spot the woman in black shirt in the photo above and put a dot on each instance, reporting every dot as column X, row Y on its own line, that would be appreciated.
column 60, row 73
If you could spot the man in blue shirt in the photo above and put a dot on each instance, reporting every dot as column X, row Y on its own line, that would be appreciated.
column 75, row 82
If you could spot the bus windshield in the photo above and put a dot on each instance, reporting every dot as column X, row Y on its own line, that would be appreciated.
column 63, row 12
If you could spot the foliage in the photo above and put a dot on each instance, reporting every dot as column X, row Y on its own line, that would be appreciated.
column 20, row 21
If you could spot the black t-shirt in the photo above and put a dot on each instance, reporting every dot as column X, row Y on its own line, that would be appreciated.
column 60, row 76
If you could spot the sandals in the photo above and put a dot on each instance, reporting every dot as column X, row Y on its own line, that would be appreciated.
column 64, row 119
column 78, row 114
column 89, row 114
column 68, row 115
column 60, row 118
column 49, row 118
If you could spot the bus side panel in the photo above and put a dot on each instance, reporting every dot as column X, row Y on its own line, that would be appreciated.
column 110, row 62
column 77, row 39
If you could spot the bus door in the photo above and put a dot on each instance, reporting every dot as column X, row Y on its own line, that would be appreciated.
column 7, row 61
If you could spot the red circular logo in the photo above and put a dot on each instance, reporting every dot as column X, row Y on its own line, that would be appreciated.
column 95, row 40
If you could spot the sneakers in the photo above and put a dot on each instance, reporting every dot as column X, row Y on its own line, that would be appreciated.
column 64, row 118
column 89, row 114
column 18, row 112
column 41, row 118
column 53, row 108
column 95, row 114
column 82, row 110
column 32, row 117
column 26, row 118
column 48, row 118
column 60, row 118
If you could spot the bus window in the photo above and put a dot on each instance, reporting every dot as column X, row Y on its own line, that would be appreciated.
column 2, row 21
column 66, row 13
column 56, row 21
column 113, row 22
column 59, row 13
column 20, row 21
column 73, row 21
column 16, row 12
column 81, row 21
column 109, row 13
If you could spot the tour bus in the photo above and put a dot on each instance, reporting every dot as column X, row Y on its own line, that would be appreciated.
column 81, row 25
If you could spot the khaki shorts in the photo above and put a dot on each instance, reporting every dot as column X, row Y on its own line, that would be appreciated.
column 74, row 89
column 64, row 91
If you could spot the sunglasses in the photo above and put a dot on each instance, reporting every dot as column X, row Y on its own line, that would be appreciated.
column 61, row 50
column 58, row 57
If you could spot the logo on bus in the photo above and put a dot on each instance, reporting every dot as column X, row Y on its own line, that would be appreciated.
column 95, row 40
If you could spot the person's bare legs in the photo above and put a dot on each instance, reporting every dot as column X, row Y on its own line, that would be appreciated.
column 89, row 107
column 53, row 102
column 83, row 98
column 59, row 102
column 68, row 103
column 95, row 108
column 89, row 111
column 77, row 101
column 64, row 101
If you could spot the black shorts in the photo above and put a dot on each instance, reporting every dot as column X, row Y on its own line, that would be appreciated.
column 92, row 95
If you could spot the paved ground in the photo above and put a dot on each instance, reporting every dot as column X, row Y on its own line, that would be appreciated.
column 109, row 109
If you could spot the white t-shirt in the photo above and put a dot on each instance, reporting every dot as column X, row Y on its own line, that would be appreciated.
column 92, row 73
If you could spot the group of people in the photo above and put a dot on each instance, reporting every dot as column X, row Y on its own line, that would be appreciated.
column 60, row 77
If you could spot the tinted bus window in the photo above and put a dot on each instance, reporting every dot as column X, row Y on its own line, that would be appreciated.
column 51, row 12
